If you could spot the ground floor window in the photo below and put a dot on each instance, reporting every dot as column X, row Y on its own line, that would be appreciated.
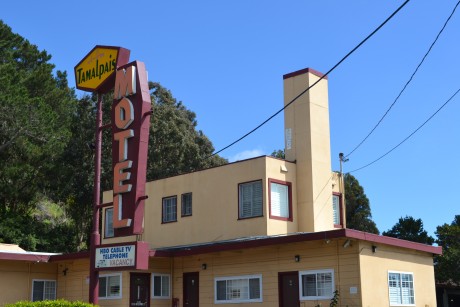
column 43, row 290
column 161, row 285
column 316, row 285
column 401, row 288
column 238, row 289
column 110, row 286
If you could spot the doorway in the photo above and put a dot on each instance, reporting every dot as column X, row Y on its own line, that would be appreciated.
column 288, row 284
column 191, row 289
column 139, row 290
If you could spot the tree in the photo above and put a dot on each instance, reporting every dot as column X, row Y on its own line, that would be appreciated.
column 447, row 265
column 358, row 210
column 34, row 120
column 175, row 146
column 410, row 229
column 278, row 154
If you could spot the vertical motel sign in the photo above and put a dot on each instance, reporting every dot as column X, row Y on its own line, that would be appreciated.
column 103, row 69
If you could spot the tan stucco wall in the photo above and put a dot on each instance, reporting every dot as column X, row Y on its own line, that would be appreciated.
column 75, row 284
column 269, row 261
column 309, row 146
column 16, row 279
column 215, row 204
column 374, row 269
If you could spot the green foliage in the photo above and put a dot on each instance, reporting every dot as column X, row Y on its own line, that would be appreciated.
column 358, row 209
column 447, row 265
column 410, row 229
column 175, row 146
column 335, row 299
column 48, row 303
column 278, row 154
column 47, row 141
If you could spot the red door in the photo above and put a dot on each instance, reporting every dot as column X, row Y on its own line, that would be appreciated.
column 288, row 284
column 139, row 293
column 191, row 289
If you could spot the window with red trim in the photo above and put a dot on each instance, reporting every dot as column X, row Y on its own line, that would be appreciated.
column 280, row 199
column 337, row 214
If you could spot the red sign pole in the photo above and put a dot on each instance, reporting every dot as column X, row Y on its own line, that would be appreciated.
column 95, row 236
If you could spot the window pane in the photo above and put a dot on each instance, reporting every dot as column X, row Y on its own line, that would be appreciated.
column 102, row 287
column 109, row 222
column 221, row 286
column 50, row 290
column 186, row 204
column 156, row 285
column 324, row 284
column 38, row 290
column 165, row 286
column 336, row 209
column 254, row 288
column 113, row 285
column 169, row 209
column 279, row 199
column 309, row 285
column 250, row 199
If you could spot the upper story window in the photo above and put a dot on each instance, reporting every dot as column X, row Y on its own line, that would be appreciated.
column 337, row 214
column 401, row 289
column 108, row 223
column 250, row 199
column 43, row 290
column 280, row 200
column 186, row 202
column 238, row 289
column 110, row 286
column 169, row 209
column 316, row 285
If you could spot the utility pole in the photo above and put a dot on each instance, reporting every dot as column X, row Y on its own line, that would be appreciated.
column 342, row 160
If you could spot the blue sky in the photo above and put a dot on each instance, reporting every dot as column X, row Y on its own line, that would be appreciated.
column 225, row 61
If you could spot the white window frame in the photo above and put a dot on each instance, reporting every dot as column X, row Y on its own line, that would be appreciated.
column 108, row 223
column 400, row 288
column 163, row 209
column 45, row 281
column 114, row 297
column 316, row 297
column 153, row 286
column 252, row 200
column 237, row 301
column 336, row 210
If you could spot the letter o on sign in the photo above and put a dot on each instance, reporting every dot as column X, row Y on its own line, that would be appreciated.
column 124, row 113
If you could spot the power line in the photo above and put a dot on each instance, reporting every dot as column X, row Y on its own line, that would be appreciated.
column 308, row 88
column 410, row 135
column 407, row 83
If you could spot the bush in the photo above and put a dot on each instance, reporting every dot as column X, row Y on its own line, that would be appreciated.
column 56, row 303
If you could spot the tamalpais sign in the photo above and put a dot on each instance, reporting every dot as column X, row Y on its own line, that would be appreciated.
column 120, row 255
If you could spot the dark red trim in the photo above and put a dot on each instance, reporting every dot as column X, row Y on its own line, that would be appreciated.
column 289, row 185
column 370, row 237
column 302, row 237
column 304, row 71
column 162, row 209
column 250, row 217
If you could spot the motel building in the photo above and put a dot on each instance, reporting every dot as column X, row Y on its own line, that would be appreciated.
column 258, row 232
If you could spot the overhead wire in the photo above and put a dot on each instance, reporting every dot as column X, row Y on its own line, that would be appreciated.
column 309, row 87
column 409, row 136
column 407, row 83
